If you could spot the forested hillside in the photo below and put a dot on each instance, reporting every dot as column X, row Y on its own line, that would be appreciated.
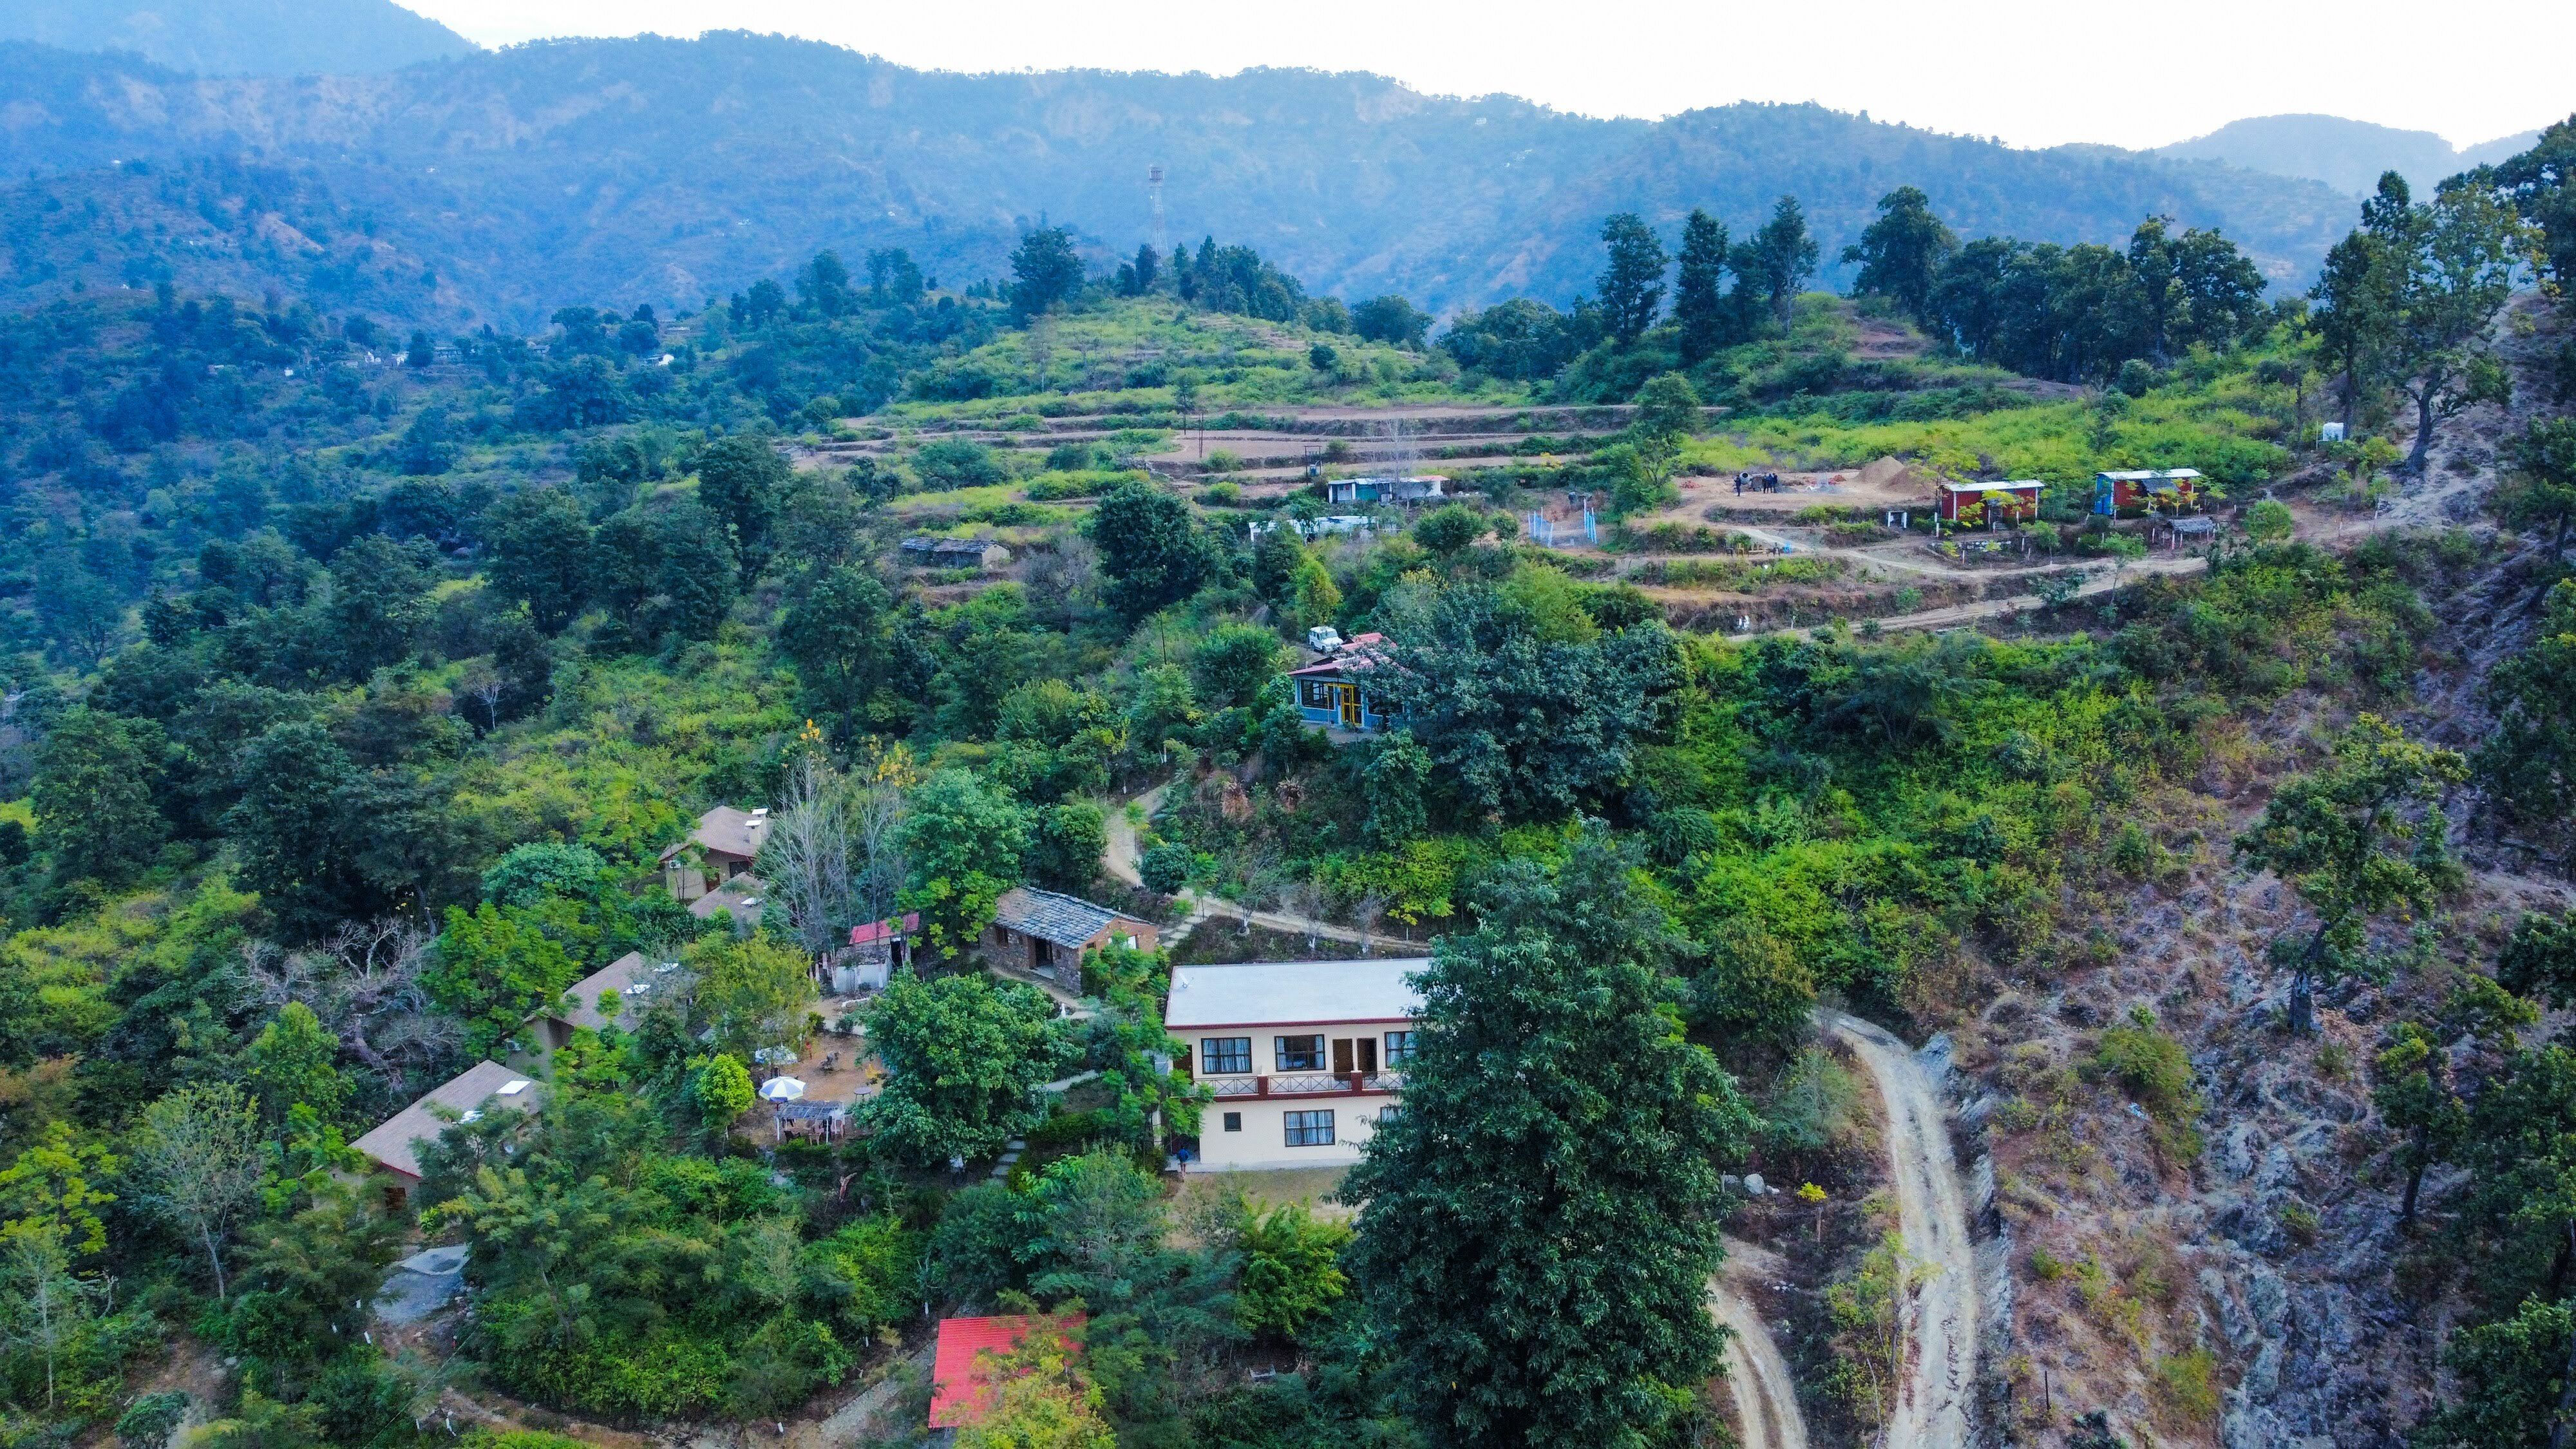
column 240, row 37
column 661, row 171
column 1999, row 653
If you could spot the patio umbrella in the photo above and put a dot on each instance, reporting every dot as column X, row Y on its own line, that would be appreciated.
column 782, row 1089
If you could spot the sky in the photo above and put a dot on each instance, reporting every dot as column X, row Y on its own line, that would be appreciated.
column 2030, row 73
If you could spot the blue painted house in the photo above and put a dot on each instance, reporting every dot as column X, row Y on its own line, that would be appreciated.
column 1333, row 691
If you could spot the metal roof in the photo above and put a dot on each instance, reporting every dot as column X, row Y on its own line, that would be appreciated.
column 1295, row 993
column 2143, row 475
column 1068, row 921
column 395, row 1141
column 1948, row 486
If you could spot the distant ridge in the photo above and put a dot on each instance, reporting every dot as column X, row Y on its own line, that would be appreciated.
column 2346, row 155
column 240, row 37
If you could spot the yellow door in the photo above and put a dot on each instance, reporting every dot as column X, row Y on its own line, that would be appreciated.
column 1350, row 705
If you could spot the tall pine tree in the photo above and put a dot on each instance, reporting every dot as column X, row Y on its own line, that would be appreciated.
column 1698, row 304
column 1542, row 1220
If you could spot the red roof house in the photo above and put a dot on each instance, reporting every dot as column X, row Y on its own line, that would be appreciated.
column 961, row 1388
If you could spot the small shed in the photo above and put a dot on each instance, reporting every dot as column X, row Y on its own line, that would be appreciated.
column 1411, row 488
column 875, row 949
column 2132, row 491
column 2179, row 533
column 925, row 551
column 1046, row 933
column 2003, row 503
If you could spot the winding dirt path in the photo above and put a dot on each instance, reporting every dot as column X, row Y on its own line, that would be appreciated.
column 1766, row 1396
column 1120, row 859
column 1940, row 1315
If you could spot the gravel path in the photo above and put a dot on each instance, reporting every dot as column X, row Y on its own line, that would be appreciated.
column 1766, row 1397
column 1940, row 1314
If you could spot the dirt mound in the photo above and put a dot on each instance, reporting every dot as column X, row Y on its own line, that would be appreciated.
column 1889, row 475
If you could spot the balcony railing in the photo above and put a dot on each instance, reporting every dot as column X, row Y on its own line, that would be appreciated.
column 1306, row 1084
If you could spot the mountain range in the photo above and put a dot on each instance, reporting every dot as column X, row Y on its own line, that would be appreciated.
column 239, row 37
column 2346, row 155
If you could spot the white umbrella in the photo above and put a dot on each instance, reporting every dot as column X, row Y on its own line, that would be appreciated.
column 782, row 1089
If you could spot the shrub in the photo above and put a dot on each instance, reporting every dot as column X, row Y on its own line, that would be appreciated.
column 2155, row 1072
column 1166, row 868
column 957, row 463
column 2186, row 1388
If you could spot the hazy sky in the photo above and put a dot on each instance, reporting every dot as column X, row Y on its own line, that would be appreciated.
column 2035, row 74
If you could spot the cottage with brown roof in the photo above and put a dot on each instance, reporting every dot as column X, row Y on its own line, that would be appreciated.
column 395, row 1144
column 1046, row 934
column 721, row 847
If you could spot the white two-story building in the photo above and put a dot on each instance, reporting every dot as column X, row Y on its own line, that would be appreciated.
column 1305, row 1057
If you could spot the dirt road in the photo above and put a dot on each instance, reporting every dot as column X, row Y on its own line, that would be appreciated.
column 1766, row 1397
column 1940, row 1314
column 2100, row 583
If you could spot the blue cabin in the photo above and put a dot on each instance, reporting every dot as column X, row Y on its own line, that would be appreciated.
column 1333, row 691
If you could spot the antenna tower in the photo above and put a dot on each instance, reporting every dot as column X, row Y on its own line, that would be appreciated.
column 1154, row 188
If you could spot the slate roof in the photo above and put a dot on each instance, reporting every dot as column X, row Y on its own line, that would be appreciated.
column 1065, row 920
column 479, row 1087
column 1295, row 993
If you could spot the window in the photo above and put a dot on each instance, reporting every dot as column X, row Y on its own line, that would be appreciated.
column 1221, row 1056
column 1234, row 1121
column 1309, row 1129
column 1299, row 1053
column 1399, row 1049
column 1388, row 1113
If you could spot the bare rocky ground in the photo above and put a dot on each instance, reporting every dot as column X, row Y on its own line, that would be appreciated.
column 2113, row 1260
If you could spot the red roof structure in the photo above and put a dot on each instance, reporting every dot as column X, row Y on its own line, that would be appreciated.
column 960, row 1394
column 885, row 930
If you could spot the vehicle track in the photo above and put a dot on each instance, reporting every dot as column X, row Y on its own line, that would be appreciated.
column 1766, row 1396
column 1939, row 1315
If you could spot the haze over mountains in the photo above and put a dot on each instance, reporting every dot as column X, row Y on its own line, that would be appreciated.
column 663, row 170
column 239, row 37
column 2346, row 155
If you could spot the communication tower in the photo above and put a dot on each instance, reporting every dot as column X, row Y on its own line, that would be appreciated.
column 1154, row 188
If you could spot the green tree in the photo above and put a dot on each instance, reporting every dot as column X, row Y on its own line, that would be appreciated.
column 2543, row 493
column 46, row 1311
column 965, row 1057
column 1292, row 1268
column 295, row 831
column 1398, row 776
column 749, row 995
column 95, row 796
column 2360, row 838
column 2269, row 521
column 307, row 1279
column 2413, row 1093
column 1046, row 271
column 491, row 969
column 2516, row 1383
column 77, row 609
column 963, row 841
column 380, row 601
column 2355, row 315
column 1069, row 839
column 2456, row 258
column 195, row 1162
column 291, row 1065
column 743, row 481
column 1631, row 284
column 1391, row 319
column 1541, row 1223
column 541, row 555
column 1229, row 668
column 1149, row 547
column 1700, row 306
column 1447, row 531
column 721, row 1088
column 1901, row 254
column 1778, row 261
column 836, row 636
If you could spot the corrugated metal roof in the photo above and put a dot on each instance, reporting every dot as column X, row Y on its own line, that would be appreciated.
column 2141, row 475
column 1946, row 486
column 1068, row 921
column 1295, row 992
column 960, row 1394
column 482, row 1086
